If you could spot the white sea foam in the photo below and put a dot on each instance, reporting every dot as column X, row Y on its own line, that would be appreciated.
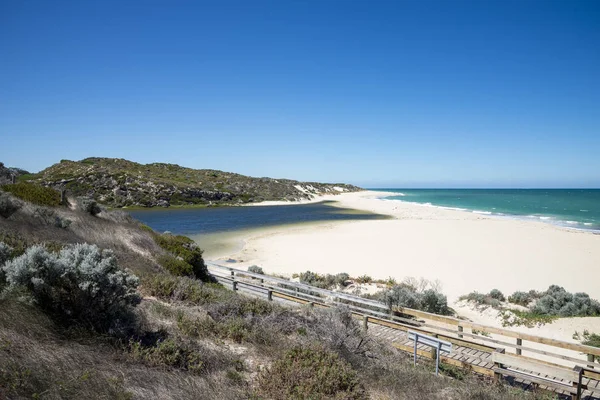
column 588, row 224
column 572, row 222
column 545, row 218
column 584, row 210
column 454, row 208
column 481, row 212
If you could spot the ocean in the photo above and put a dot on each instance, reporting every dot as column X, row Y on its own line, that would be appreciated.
column 573, row 208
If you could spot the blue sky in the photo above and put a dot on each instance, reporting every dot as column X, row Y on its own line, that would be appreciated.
column 376, row 93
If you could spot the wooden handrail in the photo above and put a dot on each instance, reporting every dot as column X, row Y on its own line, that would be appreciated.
column 589, row 350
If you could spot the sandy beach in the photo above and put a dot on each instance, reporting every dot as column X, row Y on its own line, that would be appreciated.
column 462, row 250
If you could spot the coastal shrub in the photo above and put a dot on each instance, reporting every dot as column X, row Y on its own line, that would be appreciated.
column 326, row 281
column 62, row 223
column 364, row 279
column 175, row 266
column 8, row 205
column 310, row 373
column 187, row 250
column 429, row 300
column 256, row 269
column 5, row 254
column 45, row 214
column 89, row 206
column 497, row 295
column 81, row 285
column 36, row 194
column 483, row 300
column 168, row 353
column 588, row 339
column 184, row 289
column 557, row 301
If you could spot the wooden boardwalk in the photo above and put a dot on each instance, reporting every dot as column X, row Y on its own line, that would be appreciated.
column 484, row 359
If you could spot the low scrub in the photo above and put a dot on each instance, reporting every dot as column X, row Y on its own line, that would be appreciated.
column 558, row 302
column 81, row 285
column 88, row 205
column 186, row 250
column 310, row 373
column 168, row 353
column 524, row 298
column 256, row 269
column 8, row 205
column 589, row 339
column 36, row 194
column 425, row 297
column 325, row 281
column 492, row 299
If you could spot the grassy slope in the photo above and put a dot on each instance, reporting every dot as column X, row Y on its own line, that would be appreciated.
column 146, row 184
column 212, row 343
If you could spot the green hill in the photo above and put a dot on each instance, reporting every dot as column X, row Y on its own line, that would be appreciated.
column 120, row 183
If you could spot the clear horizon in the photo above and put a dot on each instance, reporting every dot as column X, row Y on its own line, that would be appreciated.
column 434, row 94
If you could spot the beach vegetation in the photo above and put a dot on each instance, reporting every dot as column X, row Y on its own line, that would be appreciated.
column 185, row 250
column 483, row 300
column 255, row 269
column 423, row 296
column 524, row 298
column 81, row 285
column 556, row 301
column 310, row 373
column 589, row 339
column 8, row 205
column 35, row 194
column 529, row 319
column 324, row 281
column 89, row 206
column 363, row 279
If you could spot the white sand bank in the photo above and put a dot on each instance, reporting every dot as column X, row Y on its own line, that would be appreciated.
column 464, row 251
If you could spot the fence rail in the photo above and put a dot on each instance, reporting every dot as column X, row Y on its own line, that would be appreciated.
column 571, row 380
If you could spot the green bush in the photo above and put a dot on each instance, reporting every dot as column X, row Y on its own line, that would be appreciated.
column 496, row 294
column 89, row 206
column 588, row 339
column 557, row 301
column 168, row 353
column 326, row 281
column 523, row 298
column 407, row 296
column 256, row 269
column 175, row 266
column 482, row 300
column 186, row 290
column 310, row 373
column 8, row 205
column 36, row 194
column 79, row 286
column 186, row 249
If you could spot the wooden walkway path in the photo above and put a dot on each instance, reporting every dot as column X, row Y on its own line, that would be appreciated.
column 487, row 360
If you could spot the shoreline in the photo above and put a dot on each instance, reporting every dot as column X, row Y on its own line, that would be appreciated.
column 462, row 250
column 437, row 240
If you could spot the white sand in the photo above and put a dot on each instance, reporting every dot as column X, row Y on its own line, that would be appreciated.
column 464, row 251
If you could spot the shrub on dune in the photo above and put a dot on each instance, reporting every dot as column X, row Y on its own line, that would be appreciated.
column 81, row 285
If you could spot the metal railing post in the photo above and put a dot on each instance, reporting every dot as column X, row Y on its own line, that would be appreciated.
column 460, row 329
column 270, row 295
column 519, row 343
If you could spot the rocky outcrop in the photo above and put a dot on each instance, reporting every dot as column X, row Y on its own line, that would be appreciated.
column 8, row 174
column 122, row 183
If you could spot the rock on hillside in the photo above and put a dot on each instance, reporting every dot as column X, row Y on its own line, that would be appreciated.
column 6, row 174
column 120, row 183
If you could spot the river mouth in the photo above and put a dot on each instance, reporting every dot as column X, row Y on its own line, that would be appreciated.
column 222, row 231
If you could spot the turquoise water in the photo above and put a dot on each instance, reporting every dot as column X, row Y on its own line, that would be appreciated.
column 574, row 208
